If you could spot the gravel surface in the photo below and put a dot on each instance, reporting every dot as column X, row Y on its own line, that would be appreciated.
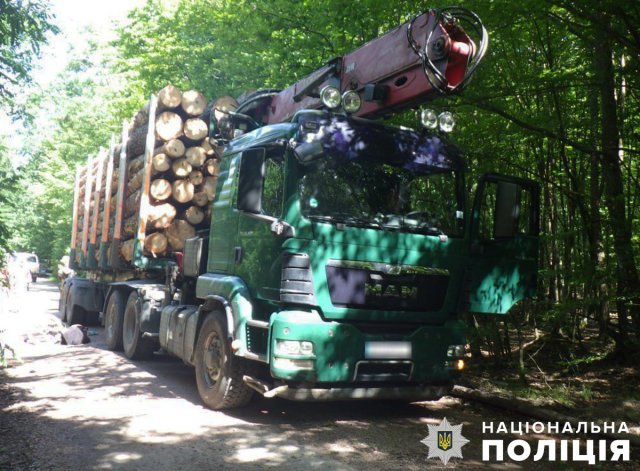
column 86, row 408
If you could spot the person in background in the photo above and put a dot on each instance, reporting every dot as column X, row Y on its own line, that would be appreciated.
column 64, row 270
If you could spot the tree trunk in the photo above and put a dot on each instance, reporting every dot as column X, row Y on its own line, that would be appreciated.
column 169, row 97
column 195, row 129
column 211, row 152
column 174, row 148
column 194, row 215
column 626, row 270
column 196, row 177
column 200, row 198
column 168, row 125
column 161, row 163
column 156, row 243
column 178, row 232
column 209, row 186
column 196, row 156
column 181, row 168
column 135, row 181
column 161, row 216
column 126, row 249
column 130, row 226
column 212, row 167
column 135, row 165
column 160, row 189
column 182, row 191
column 193, row 102
column 132, row 205
column 137, row 142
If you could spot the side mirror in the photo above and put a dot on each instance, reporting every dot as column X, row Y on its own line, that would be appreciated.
column 507, row 210
column 252, row 170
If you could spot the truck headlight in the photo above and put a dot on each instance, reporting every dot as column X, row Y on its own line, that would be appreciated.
column 330, row 97
column 429, row 119
column 351, row 101
column 446, row 122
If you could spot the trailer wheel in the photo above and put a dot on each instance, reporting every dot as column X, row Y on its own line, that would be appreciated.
column 136, row 347
column 113, row 317
column 219, row 372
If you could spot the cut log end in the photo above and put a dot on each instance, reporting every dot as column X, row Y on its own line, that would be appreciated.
column 178, row 232
column 195, row 129
column 168, row 126
column 194, row 215
column 156, row 243
column 193, row 102
column 170, row 97
column 196, row 156
column 160, row 189
column 182, row 191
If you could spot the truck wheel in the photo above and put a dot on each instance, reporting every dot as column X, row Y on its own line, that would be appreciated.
column 218, row 371
column 136, row 347
column 34, row 278
column 73, row 314
column 113, row 317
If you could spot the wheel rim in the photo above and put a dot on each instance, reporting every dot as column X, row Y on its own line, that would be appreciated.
column 213, row 355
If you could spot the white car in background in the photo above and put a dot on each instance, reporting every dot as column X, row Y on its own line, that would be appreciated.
column 30, row 260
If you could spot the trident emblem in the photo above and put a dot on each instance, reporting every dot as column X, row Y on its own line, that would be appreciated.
column 444, row 440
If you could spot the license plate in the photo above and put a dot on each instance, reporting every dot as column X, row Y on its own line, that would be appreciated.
column 387, row 350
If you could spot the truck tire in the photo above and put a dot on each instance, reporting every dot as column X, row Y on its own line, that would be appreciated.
column 73, row 314
column 136, row 347
column 218, row 371
column 113, row 318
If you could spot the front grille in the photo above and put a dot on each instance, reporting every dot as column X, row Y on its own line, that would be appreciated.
column 383, row 371
column 374, row 289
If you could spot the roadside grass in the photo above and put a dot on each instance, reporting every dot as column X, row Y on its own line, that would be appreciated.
column 559, row 373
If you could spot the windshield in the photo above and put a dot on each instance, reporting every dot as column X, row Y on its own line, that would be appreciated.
column 381, row 196
column 364, row 174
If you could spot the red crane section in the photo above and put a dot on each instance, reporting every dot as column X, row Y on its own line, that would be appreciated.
column 429, row 56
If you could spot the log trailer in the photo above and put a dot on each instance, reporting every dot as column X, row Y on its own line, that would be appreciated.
column 342, row 253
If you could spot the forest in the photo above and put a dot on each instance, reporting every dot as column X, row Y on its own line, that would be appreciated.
column 556, row 100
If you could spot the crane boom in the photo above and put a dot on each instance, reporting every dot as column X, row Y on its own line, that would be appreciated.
column 429, row 56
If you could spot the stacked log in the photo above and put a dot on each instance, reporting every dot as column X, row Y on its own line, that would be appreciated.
column 184, row 172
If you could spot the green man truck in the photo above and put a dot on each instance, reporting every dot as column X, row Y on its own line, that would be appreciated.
column 341, row 254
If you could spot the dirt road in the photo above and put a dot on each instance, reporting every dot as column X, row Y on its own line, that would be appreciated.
column 86, row 408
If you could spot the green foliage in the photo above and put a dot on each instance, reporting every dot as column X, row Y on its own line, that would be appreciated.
column 535, row 109
column 76, row 116
column 23, row 28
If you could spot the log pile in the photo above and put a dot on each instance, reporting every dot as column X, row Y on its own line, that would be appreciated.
column 184, row 172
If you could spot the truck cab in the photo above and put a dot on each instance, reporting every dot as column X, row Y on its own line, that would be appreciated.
column 342, row 255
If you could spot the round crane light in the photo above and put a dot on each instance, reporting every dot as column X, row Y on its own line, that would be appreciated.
column 351, row 101
column 330, row 97
column 429, row 119
column 446, row 122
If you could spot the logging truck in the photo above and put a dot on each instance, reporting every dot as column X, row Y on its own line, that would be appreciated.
column 290, row 243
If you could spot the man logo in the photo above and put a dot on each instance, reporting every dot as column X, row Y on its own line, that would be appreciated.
column 445, row 441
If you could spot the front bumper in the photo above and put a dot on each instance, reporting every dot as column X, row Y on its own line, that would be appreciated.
column 340, row 356
column 407, row 393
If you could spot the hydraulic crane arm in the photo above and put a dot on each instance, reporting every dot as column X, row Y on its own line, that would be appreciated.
column 429, row 56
